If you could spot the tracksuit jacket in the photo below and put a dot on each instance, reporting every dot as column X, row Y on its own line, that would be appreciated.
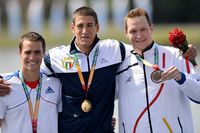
column 145, row 106
column 60, row 63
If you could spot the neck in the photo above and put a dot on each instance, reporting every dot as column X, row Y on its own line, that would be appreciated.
column 138, row 51
column 30, row 76
column 141, row 51
column 85, row 50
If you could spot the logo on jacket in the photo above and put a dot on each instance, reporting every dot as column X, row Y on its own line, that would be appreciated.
column 129, row 79
column 49, row 90
column 103, row 60
column 68, row 62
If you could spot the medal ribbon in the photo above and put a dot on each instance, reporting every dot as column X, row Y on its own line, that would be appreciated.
column 91, row 72
column 33, row 114
column 156, row 59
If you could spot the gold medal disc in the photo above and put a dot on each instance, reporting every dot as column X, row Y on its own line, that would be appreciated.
column 86, row 106
column 156, row 76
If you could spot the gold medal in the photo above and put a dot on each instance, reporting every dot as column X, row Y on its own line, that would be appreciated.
column 156, row 76
column 86, row 106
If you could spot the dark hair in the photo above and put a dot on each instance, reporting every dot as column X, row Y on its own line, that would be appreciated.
column 32, row 36
column 85, row 11
column 137, row 12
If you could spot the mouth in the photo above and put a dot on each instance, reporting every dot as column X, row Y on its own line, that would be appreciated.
column 85, row 36
column 140, row 41
column 32, row 62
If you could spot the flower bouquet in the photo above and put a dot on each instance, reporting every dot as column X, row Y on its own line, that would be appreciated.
column 178, row 39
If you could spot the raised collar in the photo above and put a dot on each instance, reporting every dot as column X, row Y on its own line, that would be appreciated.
column 149, row 51
column 74, row 49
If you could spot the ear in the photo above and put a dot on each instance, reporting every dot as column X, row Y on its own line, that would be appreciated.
column 126, row 33
column 151, row 27
column 97, row 27
column 19, row 51
column 72, row 26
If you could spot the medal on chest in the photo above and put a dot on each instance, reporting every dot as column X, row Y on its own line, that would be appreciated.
column 156, row 75
column 86, row 104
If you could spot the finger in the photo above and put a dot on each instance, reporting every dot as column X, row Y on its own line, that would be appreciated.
column 169, row 73
column 4, row 89
column 189, row 51
column 193, row 54
column 4, row 93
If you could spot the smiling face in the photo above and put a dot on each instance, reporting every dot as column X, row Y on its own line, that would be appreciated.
column 31, row 55
column 138, row 29
column 139, row 33
column 85, row 29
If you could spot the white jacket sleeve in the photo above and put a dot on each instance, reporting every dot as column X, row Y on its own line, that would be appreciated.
column 191, row 86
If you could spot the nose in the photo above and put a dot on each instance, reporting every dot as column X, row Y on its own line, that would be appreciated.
column 85, row 29
column 32, row 55
column 138, row 35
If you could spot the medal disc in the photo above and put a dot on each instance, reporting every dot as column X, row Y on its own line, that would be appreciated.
column 86, row 106
column 156, row 76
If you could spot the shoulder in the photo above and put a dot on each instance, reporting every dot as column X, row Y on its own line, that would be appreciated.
column 11, row 77
column 50, row 80
column 59, row 49
column 113, row 43
column 168, row 49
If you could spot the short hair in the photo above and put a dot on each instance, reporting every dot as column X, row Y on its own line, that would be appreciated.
column 32, row 36
column 85, row 11
column 137, row 12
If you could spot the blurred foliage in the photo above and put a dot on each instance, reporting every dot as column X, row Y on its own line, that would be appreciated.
column 160, row 35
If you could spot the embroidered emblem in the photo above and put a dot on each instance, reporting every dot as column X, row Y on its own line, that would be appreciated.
column 68, row 62
column 129, row 79
column 103, row 60
column 49, row 90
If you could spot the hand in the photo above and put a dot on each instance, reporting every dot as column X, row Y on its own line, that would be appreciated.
column 4, row 88
column 171, row 73
column 191, row 52
column 113, row 123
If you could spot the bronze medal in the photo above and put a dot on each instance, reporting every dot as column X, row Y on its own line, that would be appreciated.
column 86, row 106
column 156, row 76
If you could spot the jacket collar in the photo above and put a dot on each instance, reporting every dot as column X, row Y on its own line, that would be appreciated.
column 74, row 48
column 148, row 51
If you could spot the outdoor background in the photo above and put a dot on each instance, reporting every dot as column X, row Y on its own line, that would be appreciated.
column 52, row 18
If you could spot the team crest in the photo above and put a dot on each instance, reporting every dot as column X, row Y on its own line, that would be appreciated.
column 68, row 62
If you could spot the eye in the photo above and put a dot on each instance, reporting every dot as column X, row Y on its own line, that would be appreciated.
column 144, row 29
column 27, row 52
column 79, row 26
column 90, row 25
column 37, row 52
column 132, row 31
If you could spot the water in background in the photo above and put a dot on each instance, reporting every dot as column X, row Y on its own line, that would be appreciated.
column 9, row 62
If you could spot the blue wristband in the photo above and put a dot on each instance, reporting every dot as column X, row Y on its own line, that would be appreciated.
column 182, row 80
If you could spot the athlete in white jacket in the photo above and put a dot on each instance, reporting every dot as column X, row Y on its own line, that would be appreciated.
column 146, row 106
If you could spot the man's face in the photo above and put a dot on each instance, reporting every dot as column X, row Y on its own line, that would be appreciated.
column 31, row 55
column 139, row 33
column 85, row 30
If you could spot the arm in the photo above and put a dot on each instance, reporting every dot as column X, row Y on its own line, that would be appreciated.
column 188, row 83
